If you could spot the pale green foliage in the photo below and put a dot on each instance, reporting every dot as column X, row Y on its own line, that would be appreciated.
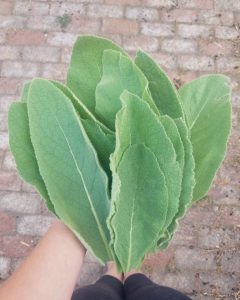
column 118, row 153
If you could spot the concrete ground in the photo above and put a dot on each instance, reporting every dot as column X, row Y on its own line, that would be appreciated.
column 188, row 38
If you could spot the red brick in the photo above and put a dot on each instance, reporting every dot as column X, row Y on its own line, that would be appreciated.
column 188, row 31
column 199, row 216
column 9, row 162
column 66, row 55
column 26, row 37
column 159, row 260
column 204, row 63
column 31, row 7
column 121, row 26
column 231, row 261
column 9, row 86
column 227, row 64
column 6, row 8
column 7, row 223
column 55, row 71
column 102, row 11
column 185, row 236
column 43, row 23
column 229, row 216
column 209, row 47
column 9, row 53
column 228, row 5
column 16, row 246
column 5, row 102
column 146, row 43
column 9, row 182
column 142, row 13
column 179, row 15
column 2, row 37
column 157, row 29
column 80, row 24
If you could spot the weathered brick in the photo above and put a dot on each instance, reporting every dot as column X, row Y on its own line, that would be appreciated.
column 120, row 26
column 229, row 216
column 8, row 163
column 61, row 39
column 227, row 5
column 179, row 15
column 195, row 259
column 9, row 182
column 21, row 203
column 80, row 24
column 228, row 194
column 26, row 37
column 66, row 55
column 90, row 273
column 159, row 260
column 31, row 7
column 210, row 238
column 146, row 43
column 16, row 246
column 43, row 23
column 4, row 140
column 211, row 283
column 9, row 53
column 6, row 8
column 60, row 8
column 9, row 86
column 185, row 236
column 227, row 64
column 102, row 11
column 124, row 2
column 198, row 216
column 157, row 29
column 12, row 22
column 215, row 18
column 4, row 267
column 165, row 60
column 41, row 54
column 142, row 13
column 183, row 281
column 213, row 47
column 231, row 261
column 3, row 124
column 27, row 187
column 202, row 4
column 55, row 71
column 160, row 3
column 193, row 31
column 7, row 224
column 19, row 69
column 34, row 225
column 5, row 102
column 226, row 33
column 178, row 45
column 2, row 37
column 203, row 63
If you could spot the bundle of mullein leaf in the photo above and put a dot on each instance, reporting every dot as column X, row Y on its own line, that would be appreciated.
column 117, row 152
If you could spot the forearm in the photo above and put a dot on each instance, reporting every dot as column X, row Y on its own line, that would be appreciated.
column 51, row 270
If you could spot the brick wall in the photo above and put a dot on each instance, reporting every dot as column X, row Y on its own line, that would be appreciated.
column 188, row 38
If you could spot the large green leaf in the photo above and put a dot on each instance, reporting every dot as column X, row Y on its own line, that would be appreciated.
column 188, row 182
column 102, row 138
column 130, row 129
column 119, row 73
column 163, row 92
column 136, row 222
column 206, row 104
column 68, row 163
column 85, row 70
column 22, row 149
